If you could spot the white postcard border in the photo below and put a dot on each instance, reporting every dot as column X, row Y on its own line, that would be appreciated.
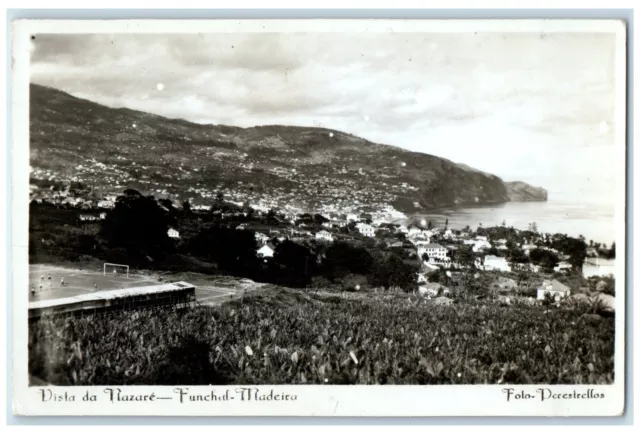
column 468, row 400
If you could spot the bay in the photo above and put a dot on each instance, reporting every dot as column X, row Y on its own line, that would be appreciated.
column 592, row 219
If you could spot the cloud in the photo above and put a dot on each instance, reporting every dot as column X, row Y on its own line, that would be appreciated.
column 485, row 100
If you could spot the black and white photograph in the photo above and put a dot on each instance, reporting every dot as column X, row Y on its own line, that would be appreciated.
column 247, row 209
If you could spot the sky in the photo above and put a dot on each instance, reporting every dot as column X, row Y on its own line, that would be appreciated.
column 532, row 107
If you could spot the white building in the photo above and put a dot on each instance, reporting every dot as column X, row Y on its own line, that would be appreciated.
column 402, row 229
column 434, row 251
column 419, row 242
column 106, row 204
column 172, row 233
column 261, row 238
column 352, row 218
column 496, row 263
column 428, row 268
column 202, row 207
column 336, row 223
column 432, row 289
column 480, row 245
column 324, row 236
column 365, row 229
column 266, row 251
column 414, row 232
column 562, row 266
column 554, row 288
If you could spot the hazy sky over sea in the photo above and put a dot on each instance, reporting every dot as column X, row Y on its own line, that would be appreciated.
column 531, row 107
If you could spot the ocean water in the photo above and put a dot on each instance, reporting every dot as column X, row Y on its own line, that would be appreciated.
column 594, row 219
column 598, row 267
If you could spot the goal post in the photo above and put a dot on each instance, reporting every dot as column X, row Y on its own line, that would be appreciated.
column 112, row 268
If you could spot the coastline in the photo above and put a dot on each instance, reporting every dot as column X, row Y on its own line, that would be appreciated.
column 595, row 221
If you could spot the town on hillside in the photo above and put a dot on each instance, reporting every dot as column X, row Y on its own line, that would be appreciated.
column 334, row 249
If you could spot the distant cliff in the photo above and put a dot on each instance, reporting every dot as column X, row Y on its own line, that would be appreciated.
column 521, row 192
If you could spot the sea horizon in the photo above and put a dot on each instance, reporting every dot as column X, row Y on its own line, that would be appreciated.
column 561, row 213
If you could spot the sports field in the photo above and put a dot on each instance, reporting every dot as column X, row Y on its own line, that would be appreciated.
column 77, row 282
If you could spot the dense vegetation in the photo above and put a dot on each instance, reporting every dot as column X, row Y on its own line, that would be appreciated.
column 288, row 337
column 135, row 233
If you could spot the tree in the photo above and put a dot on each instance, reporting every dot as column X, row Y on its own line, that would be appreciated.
column 167, row 203
column 425, row 257
column 611, row 253
column 246, row 208
column 518, row 256
column 548, row 300
column 440, row 276
column 576, row 248
column 392, row 271
column 296, row 264
column 319, row 219
column 234, row 251
column 533, row 227
column 130, row 193
column 429, row 225
column 446, row 224
column 219, row 197
column 544, row 258
column 342, row 258
column 464, row 256
column 186, row 207
column 137, row 224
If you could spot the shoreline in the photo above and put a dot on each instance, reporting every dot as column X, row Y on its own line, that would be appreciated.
column 552, row 216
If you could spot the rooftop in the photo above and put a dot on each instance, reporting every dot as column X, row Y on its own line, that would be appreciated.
column 111, row 295
column 433, row 246
column 555, row 286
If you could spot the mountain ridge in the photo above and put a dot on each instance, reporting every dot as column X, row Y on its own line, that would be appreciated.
column 73, row 138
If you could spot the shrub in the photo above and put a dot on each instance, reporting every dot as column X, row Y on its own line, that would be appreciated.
column 294, row 338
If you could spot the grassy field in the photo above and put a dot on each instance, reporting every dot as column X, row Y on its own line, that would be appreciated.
column 209, row 289
column 284, row 336
column 78, row 281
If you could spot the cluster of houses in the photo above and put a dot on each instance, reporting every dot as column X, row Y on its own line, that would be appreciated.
column 551, row 290
column 92, row 217
column 431, row 255
column 67, row 197
column 417, row 242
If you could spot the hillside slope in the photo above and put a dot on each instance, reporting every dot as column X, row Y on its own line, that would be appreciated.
column 111, row 149
column 521, row 192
